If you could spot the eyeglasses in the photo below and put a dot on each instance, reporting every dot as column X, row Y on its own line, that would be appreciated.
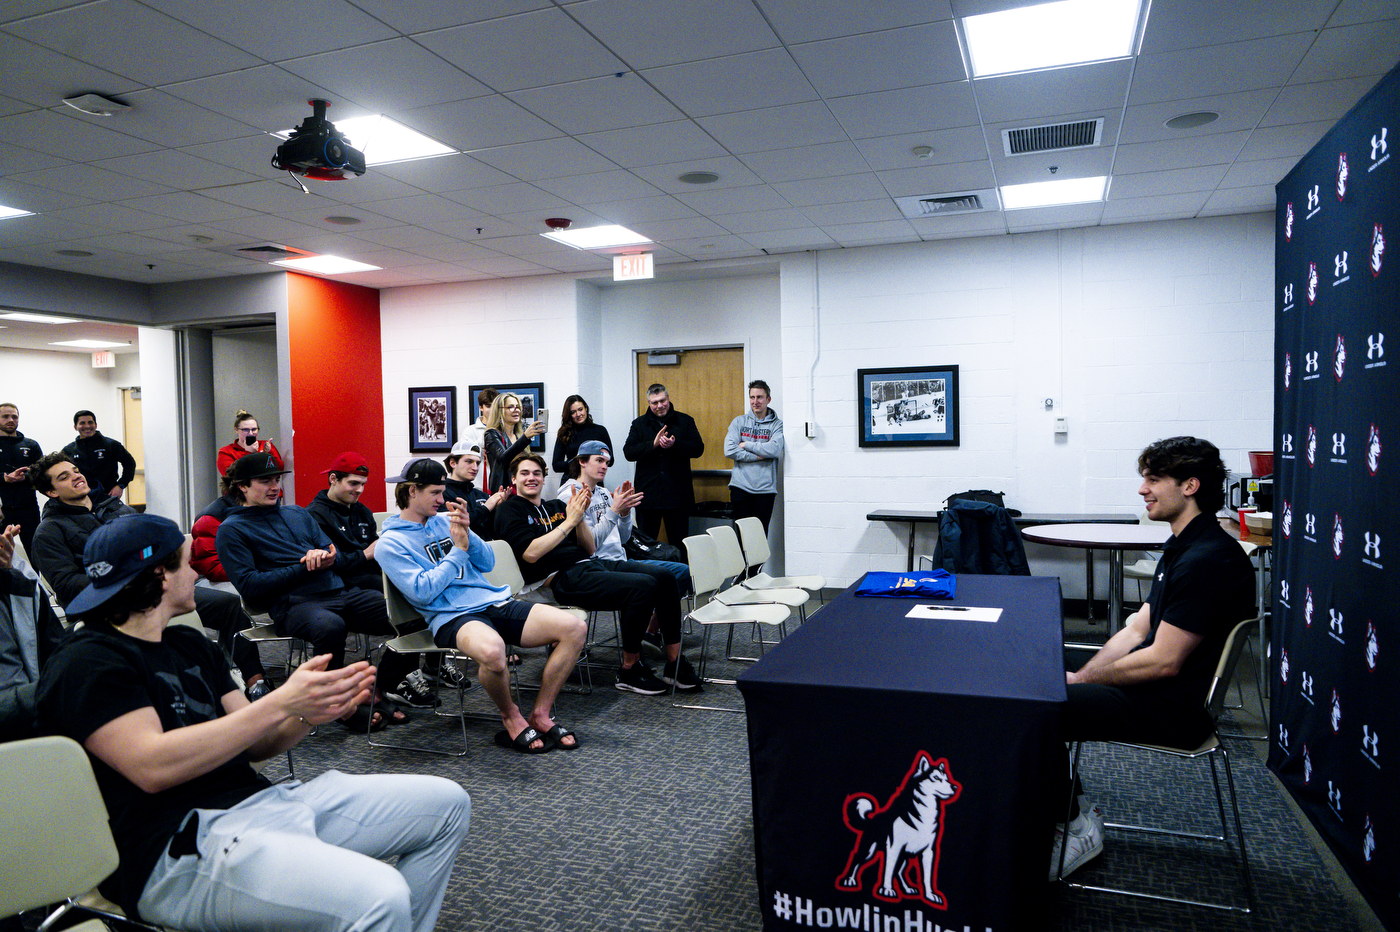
column 512, row 407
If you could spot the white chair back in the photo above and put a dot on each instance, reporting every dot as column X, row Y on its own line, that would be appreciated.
column 731, row 558
column 379, row 518
column 754, row 540
column 506, row 571
column 402, row 614
column 705, row 571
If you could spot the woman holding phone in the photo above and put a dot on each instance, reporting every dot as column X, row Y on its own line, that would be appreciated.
column 245, row 429
column 505, row 438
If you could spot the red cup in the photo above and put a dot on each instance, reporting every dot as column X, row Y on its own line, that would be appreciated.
column 1244, row 528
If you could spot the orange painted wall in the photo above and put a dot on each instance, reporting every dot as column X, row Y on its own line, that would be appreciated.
column 337, row 388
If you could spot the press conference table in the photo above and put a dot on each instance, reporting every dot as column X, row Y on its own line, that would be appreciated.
column 860, row 697
column 916, row 516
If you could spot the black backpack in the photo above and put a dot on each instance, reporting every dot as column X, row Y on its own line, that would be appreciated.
column 984, row 495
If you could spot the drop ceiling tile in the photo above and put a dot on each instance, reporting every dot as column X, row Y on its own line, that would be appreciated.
column 14, row 193
column 1187, row 152
column 130, row 243
column 1283, row 141
column 64, row 137
column 949, row 145
column 406, row 238
column 649, row 35
column 1352, row 51
column 1161, row 205
column 473, row 226
column 1176, row 181
column 266, row 196
column 267, row 98
column 1073, row 163
column 828, row 215
column 788, row 239
column 534, row 220
column 15, row 160
column 1242, row 111
column 455, row 252
column 446, row 174
column 361, row 251
column 655, row 144
column 763, row 221
column 321, row 25
column 603, row 187
column 642, row 209
column 388, row 77
column 734, row 200
column 526, row 50
column 479, row 123
column 804, row 124
column 42, row 77
column 577, row 262
column 115, row 217
column 672, row 231
column 333, row 244
column 950, row 227
column 611, row 102
column 1324, row 100
column 14, row 10
column 1240, row 200
column 507, row 198
column 1187, row 24
column 188, row 207
column 767, row 78
column 1255, row 174
column 316, row 217
column 549, row 158
column 937, row 179
column 128, row 38
column 532, row 245
column 424, row 15
column 89, row 182
column 824, row 161
column 811, row 20
column 836, row 190
column 1042, row 218
column 169, row 122
column 732, row 174
column 420, row 209
column 185, row 234
column 40, row 228
column 265, row 227
column 715, row 247
column 506, row 265
column 880, row 61
column 1218, row 69
column 884, row 231
column 1350, row 12
column 176, row 168
column 1098, row 87
column 372, row 186
column 889, row 113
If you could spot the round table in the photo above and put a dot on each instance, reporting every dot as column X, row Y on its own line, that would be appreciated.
column 1115, row 538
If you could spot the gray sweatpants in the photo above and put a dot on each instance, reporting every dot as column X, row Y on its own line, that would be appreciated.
column 305, row 856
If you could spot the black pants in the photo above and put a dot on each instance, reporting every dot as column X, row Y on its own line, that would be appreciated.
column 751, row 505
column 677, row 523
column 26, row 518
column 223, row 612
column 630, row 588
column 324, row 619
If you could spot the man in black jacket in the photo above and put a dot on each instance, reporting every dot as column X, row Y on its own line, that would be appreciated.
column 349, row 525
column 29, row 631
column 662, row 443
column 99, row 457
column 71, row 516
column 463, row 463
column 17, row 454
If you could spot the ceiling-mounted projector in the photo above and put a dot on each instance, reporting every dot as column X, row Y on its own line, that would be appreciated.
column 316, row 149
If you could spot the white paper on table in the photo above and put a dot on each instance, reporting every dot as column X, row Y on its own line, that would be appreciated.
column 955, row 613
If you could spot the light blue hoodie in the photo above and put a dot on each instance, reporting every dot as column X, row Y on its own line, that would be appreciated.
column 436, row 578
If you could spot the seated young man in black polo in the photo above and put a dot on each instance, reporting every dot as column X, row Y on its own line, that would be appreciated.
column 205, row 843
column 553, row 544
column 1148, row 683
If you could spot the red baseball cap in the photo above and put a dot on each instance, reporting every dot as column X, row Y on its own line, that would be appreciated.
column 349, row 461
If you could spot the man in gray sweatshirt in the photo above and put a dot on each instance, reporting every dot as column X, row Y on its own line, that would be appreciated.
column 755, row 444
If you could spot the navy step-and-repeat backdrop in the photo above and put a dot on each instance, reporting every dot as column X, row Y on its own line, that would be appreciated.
column 1336, row 694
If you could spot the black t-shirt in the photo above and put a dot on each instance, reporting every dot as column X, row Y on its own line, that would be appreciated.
column 519, row 523
column 99, row 675
column 1204, row 585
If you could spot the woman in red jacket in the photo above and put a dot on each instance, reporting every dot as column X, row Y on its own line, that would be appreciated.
column 245, row 426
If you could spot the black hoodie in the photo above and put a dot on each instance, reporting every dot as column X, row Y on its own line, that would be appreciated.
column 351, row 528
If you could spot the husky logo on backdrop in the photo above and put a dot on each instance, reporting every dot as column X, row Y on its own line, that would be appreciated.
column 1287, row 370
column 1334, row 798
column 1373, row 647
column 1288, row 223
column 1283, row 667
column 1307, row 607
column 1368, row 841
column 1373, row 450
column 1287, row 524
column 1342, row 173
column 1377, row 250
column 1307, row 765
column 1339, row 268
column 1336, row 536
column 1312, row 446
column 1312, row 282
column 1370, row 743
column 1335, row 620
column 1305, row 686
column 1378, row 148
column 1339, row 358
column 904, row 834
column 1314, row 200
column 1336, row 712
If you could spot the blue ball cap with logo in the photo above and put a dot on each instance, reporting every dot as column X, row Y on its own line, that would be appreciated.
column 117, row 552
column 590, row 447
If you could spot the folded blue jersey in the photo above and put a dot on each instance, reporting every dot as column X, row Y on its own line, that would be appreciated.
column 935, row 584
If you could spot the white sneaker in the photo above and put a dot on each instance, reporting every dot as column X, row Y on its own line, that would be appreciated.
column 1085, row 843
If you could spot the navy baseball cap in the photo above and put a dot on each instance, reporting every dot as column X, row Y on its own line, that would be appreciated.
column 591, row 447
column 254, row 466
column 422, row 471
column 117, row 552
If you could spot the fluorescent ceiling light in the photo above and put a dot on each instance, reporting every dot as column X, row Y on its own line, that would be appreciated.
column 327, row 265
column 92, row 344
column 7, row 212
column 1051, row 193
column 597, row 237
column 37, row 318
column 383, row 140
column 1051, row 35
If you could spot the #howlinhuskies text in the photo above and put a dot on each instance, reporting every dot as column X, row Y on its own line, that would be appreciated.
column 904, row 834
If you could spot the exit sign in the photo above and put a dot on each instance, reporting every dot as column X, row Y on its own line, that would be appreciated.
column 633, row 268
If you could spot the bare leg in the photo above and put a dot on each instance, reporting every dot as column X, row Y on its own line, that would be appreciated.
column 480, row 642
column 547, row 624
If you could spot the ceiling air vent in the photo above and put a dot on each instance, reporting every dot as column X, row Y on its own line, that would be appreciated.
column 942, row 205
column 1052, row 137
column 271, row 252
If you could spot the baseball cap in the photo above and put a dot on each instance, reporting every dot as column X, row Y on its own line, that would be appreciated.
column 465, row 448
column 118, row 551
column 421, row 471
column 591, row 447
column 254, row 466
column 349, row 461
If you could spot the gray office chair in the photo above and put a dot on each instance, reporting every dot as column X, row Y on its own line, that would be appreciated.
column 1210, row 749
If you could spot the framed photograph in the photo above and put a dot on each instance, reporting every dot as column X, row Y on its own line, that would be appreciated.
column 432, row 419
column 916, row 406
column 531, row 395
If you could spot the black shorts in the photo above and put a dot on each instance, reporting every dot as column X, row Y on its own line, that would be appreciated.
column 507, row 618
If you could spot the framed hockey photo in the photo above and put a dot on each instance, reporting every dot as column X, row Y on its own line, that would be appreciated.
column 916, row 406
column 432, row 419
column 531, row 395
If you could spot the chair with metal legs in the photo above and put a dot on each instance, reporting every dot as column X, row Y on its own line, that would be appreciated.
column 756, row 553
column 507, row 573
column 1210, row 748
column 731, row 568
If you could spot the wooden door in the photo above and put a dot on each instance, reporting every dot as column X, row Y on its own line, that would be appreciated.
column 135, row 445
column 708, row 384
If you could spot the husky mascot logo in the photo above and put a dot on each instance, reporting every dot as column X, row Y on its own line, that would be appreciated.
column 905, row 834
column 1336, row 712
column 1342, row 173
column 1288, row 223
column 1368, row 843
column 1307, row 765
column 1377, row 250
column 1336, row 536
column 1287, row 370
column 1339, row 358
column 1373, row 450
column 1287, row 520
column 1312, row 445
column 1283, row 665
column 1307, row 607
column 1312, row 282
column 1373, row 647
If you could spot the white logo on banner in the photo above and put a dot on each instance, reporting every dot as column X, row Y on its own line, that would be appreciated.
column 1371, row 744
column 1378, row 149
column 1336, row 712
column 1314, row 201
column 1283, row 736
column 1309, row 527
column 1373, row 450
column 1339, row 358
column 1312, row 362
column 1334, row 623
column 1287, row 519
column 1342, row 173
column 1334, row 798
column 1375, row 350
column 1312, row 443
column 1339, row 267
column 1283, row 591
column 1336, row 536
column 1287, row 442
column 1373, row 647
column 1283, row 666
column 1307, row 765
column 1305, row 686
column 1377, row 250
column 1368, row 842
column 1339, row 445
column 1288, row 222
column 1307, row 606
column 1312, row 282
column 1288, row 296
column 1372, row 550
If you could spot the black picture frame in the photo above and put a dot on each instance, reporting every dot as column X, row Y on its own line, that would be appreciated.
column 531, row 400
column 912, row 406
column 432, row 419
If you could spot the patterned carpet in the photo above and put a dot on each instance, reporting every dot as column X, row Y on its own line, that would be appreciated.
column 648, row 826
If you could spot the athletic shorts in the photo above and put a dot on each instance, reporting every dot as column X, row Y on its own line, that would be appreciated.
column 507, row 618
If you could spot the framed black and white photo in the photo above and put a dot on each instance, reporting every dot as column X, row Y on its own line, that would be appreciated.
column 432, row 419
column 531, row 395
column 916, row 406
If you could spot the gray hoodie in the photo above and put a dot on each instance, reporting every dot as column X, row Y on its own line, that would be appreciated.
column 755, row 466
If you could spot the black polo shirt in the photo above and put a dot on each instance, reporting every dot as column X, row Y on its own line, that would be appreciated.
column 1204, row 585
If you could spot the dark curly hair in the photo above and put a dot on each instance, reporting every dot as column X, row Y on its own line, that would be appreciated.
column 1184, row 458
